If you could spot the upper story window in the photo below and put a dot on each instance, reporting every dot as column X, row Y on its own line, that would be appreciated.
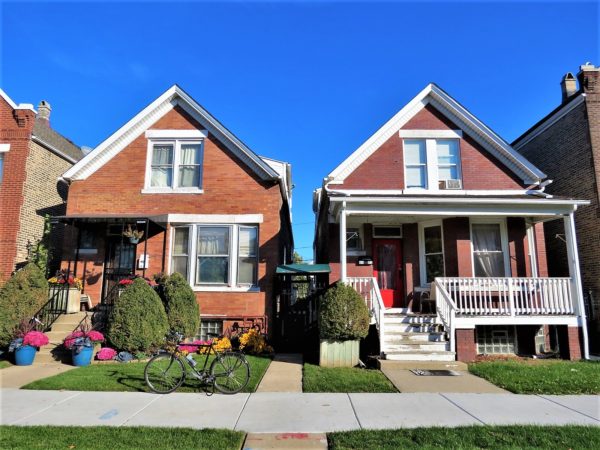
column 175, row 160
column 430, row 161
column 3, row 149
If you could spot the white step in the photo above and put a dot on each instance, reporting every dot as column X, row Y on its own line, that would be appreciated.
column 421, row 356
column 411, row 346
column 396, row 336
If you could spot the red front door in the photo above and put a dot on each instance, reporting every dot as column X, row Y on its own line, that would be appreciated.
column 387, row 265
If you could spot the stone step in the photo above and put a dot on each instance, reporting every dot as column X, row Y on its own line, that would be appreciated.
column 74, row 318
column 409, row 346
column 64, row 327
column 394, row 336
column 412, row 328
column 421, row 356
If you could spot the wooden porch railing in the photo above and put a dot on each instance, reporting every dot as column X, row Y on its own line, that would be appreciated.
column 368, row 288
column 508, row 296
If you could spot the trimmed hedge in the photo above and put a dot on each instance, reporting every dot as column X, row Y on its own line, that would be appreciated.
column 138, row 321
column 343, row 314
column 20, row 298
column 183, row 311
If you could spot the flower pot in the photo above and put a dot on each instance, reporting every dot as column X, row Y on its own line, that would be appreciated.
column 336, row 353
column 134, row 240
column 83, row 357
column 25, row 355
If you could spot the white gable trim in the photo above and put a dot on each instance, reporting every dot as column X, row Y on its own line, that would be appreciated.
column 469, row 124
column 176, row 134
column 8, row 100
column 433, row 134
column 142, row 121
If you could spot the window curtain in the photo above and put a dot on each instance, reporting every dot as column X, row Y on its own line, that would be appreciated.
column 489, row 259
column 189, row 166
column 162, row 165
column 386, row 265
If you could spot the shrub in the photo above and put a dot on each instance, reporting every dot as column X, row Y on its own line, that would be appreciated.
column 138, row 321
column 343, row 314
column 254, row 343
column 181, row 306
column 21, row 297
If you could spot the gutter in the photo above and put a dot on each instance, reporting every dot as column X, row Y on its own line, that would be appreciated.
column 53, row 149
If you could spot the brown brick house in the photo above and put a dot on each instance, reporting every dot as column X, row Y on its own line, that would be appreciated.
column 209, row 208
column 565, row 144
column 33, row 156
column 438, row 222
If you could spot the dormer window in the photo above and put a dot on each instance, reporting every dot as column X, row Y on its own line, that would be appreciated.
column 175, row 160
column 433, row 160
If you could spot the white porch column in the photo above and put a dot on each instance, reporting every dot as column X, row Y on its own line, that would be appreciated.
column 343, row 243
column 575, row 274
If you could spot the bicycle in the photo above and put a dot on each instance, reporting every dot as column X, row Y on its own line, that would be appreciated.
column 229, row 372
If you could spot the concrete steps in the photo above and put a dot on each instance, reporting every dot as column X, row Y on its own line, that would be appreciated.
column 63, row 326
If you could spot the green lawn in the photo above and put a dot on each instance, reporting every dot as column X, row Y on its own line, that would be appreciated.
column 130, row 377
column 45, row 437
column 541, row 377
column 475, row 437
column 344, row 379
column 5, row 364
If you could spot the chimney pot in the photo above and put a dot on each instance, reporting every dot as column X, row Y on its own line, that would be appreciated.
column 568, row 86
column 44, row 110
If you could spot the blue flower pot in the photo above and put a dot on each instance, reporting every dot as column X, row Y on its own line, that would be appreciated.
column 25, row 355
column 84, row 357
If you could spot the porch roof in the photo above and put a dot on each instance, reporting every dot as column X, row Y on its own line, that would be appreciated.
column 75, row 219
column 302, row 269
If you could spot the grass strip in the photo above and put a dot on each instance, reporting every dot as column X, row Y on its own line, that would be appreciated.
column 541, row 377
column 344, row 379
column 130, row 377
column 473, row 437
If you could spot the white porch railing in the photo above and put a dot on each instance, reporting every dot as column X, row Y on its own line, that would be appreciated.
column 508, row 296
column 446, row 311
column 368, row 288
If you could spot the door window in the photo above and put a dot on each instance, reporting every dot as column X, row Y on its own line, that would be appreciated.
column 386, row 266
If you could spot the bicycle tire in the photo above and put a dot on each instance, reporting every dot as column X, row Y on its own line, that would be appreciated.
column 164, row 373
column 230, row 372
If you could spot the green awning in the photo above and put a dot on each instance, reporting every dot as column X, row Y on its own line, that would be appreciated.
column 303, row 269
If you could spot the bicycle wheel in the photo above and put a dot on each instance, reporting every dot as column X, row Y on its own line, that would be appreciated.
column 231, row 372
column 164, row 373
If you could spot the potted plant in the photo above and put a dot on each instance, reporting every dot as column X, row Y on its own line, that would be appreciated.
column 81, row 343
column 66, row 288
column 133, row 235
column 26, row 344
column 343, row 321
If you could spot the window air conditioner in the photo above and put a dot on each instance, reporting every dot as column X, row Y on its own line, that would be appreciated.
column 451, row 184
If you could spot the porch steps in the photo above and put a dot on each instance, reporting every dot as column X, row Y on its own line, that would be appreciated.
column 63, row 326
column 414, row 337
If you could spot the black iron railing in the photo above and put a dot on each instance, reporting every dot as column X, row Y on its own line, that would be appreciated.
column 58, row 299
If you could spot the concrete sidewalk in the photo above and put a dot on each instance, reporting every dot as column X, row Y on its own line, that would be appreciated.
column 284, row 374
column 293, row 412
column 17, row 376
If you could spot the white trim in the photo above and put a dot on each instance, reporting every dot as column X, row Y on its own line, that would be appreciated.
column 444, row 192
column 532, row 247
column 176, row 134
column 422, row 267
column 503, row 242
column 4, row 147
column 164, row 190
column 215, row 218
column 470, row 124
column 225, row 289
column 472, row 322
column 562, row 112
column 430, row 134
column 494, row 201
column 8, row 100
column 343, row 256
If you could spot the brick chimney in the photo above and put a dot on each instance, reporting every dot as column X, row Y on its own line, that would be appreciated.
column 568, row 86
column 44, row 110
column 589, row 78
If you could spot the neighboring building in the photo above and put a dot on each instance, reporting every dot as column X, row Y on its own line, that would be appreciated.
column 436, row 213
column 209, row 207
column 33, row 156
column 565, row 144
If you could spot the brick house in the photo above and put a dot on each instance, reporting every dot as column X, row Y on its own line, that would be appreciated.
column 438, row 223
column 565, row 144
column 208, row 206
column 33, row 156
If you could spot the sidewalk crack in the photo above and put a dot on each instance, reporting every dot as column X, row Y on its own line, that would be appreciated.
column 139, row 411
column 47, row 408
column 463, row 409
column 354, row 411
column 567, row 407
column 241, row 412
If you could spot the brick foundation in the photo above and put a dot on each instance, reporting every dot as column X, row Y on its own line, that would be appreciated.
column 466, row 346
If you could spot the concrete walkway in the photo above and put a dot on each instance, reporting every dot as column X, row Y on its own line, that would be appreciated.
column 284, row 374
column 18, row 376
column 399, row 373
column 293, row 412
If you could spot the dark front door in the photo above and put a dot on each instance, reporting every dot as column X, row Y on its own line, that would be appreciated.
column 119, row 264
column 387, row 266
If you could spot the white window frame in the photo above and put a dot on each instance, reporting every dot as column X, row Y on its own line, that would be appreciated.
column 457, row 164
column 177, row 138
column 4, row 148
column 232, row 284
column 239, row 227
column 503, row 241
column 422, row 265
column 430, row 137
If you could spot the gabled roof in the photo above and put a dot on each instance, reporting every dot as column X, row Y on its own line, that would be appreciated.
column 55, row 141
column 174, row 96
column 434, row 95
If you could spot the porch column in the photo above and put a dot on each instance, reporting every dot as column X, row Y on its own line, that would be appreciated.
column 343, row 243
column 575, row 274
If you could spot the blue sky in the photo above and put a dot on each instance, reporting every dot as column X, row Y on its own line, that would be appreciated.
column 305, row 82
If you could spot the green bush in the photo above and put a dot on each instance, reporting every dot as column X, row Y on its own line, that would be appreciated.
column 20, row 298
column 138, row 321
column 343, row 314
column 182, row 308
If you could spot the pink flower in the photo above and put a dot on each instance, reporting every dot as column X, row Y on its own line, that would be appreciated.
column 35, row 339
column 192, row 348
column 95, row 336
column 106, row 354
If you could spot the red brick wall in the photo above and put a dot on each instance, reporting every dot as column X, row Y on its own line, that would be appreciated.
column 466, row 346
column 15, row 129
column 574, row 339
column 384, row 169
column 457, row 247
column 229, row 188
